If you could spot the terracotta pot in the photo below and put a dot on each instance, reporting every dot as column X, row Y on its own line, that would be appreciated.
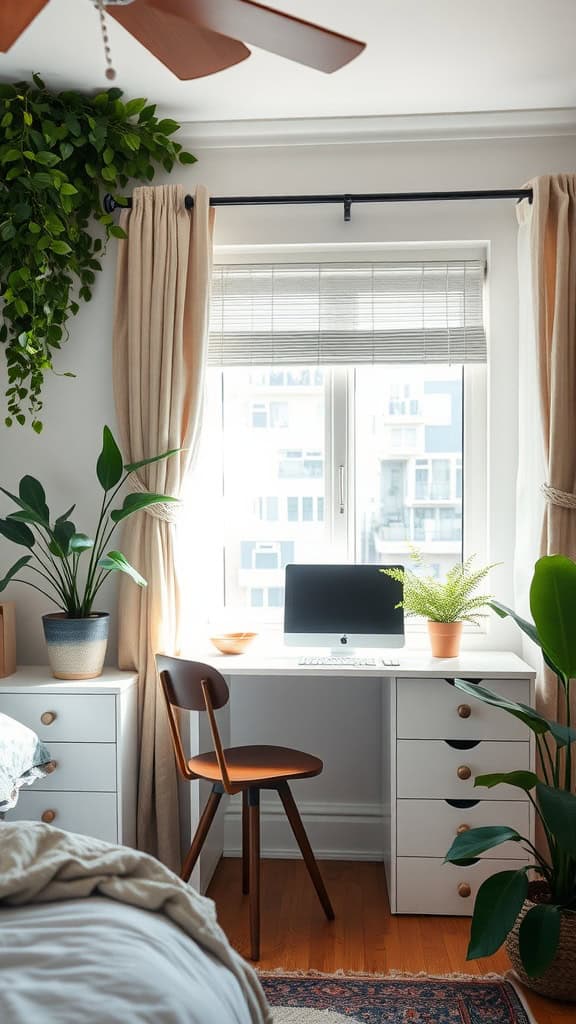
column 76, row 647
column 445, row 638
column 559, row 979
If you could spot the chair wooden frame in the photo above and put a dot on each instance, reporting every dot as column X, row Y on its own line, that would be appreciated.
column 194, row 686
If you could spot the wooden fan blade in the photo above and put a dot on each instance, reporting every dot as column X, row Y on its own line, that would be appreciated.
column 15, row 17
column 272, row 30
column 187, row 49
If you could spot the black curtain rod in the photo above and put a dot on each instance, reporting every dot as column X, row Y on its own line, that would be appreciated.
column 346, row 199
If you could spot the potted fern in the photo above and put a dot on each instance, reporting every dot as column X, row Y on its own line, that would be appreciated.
column 76, row 635
column 444, row 604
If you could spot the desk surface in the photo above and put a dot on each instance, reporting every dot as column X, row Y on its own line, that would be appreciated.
column 413, row 664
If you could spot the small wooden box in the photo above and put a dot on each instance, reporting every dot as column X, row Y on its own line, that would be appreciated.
column 7, row 639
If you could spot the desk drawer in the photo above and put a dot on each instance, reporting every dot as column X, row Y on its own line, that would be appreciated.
column 81, row 767
column 78, row 718
column 428, row 709
column 425, row 885
column 426, row 828
column 429, row 769
column 92, row 814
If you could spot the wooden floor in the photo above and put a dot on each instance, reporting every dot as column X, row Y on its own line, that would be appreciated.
column 364, row 936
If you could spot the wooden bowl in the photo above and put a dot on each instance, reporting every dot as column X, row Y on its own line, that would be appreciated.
column 232, row 643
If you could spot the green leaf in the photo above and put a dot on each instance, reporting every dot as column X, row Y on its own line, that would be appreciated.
column 476, row 841
column 187, row 158
column 131, row 467
column 109, row 466
column 60, row 247
column 553, row 606
column 522, row 780
column 46, row 158
column 117, row 232
column 68, row 189
column 15, row 569
column 498, row 903
column 28, row 516
column 33, row 497
column 558, row 808
column 80, row 542
column 62, row 534
column 135, row 106
column 17, row 532
column 538, row 938
column 136, row 502
column 115, row 561
column 10, row 156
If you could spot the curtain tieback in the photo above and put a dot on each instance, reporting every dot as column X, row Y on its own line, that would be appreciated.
column 166, row 511
column 563, row 499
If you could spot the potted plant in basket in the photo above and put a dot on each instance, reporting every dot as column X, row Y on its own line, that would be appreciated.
column 446, row 604
column 76, row 635
column 534, row 907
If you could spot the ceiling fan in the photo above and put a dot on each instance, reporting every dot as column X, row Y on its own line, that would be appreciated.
column 194, row 38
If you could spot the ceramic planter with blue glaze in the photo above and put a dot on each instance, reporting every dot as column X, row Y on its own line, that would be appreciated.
column 76, row 647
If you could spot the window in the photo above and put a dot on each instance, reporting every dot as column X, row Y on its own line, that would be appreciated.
column 334, row 461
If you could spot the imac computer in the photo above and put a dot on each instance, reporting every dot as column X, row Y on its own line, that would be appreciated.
column 342, row 607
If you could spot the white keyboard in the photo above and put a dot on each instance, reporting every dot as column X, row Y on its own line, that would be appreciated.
column 347, row 660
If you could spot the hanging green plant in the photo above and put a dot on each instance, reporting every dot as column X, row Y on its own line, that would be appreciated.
column 58, row 151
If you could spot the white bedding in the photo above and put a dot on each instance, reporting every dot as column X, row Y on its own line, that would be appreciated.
column 97, row 961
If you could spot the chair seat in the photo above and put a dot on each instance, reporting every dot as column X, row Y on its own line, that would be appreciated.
column 255, row 765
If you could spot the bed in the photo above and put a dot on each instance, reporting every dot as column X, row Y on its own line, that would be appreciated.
column 105, row 934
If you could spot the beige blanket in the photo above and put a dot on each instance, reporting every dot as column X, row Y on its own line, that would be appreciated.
column 40, row 864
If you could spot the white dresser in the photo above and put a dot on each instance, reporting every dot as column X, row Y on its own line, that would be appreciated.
column 90, row 728
column 440, row 740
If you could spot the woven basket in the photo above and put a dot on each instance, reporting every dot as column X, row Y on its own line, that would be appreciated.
column 559, row 980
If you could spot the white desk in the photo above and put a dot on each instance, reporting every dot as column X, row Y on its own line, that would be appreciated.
column 425, row 799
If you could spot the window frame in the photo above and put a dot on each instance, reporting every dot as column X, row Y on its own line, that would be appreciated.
column 340, row 478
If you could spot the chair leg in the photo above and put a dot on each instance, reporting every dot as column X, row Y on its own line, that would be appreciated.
column 245, row 843
column 254, row 870
column 293, row 815
column 204, row 824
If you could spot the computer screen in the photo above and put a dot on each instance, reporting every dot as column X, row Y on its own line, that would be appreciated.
column 342, row 606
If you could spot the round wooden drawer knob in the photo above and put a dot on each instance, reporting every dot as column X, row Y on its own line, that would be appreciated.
column 48, row 717
column 464, row 772
column 48, row 816
column 464, row 890
column 464, row 711
column 50, row 767
column 462, row 828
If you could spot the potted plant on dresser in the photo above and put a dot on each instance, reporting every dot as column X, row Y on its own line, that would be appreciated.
column 533, row 908
column 76, row 635
column 445, row 604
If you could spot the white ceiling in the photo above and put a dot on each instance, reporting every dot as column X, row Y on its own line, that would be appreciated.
column 422, row 57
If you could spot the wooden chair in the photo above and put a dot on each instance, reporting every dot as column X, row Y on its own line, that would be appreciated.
column 193, row 686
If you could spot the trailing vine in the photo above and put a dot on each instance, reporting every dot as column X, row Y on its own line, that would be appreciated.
column 58, row 151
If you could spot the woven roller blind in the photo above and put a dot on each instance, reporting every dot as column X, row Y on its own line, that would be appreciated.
column 347, row 313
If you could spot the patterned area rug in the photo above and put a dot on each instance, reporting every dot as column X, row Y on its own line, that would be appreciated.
column 341, row 999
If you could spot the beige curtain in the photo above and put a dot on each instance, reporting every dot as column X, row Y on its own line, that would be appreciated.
column 160, row 334
column 547, row 258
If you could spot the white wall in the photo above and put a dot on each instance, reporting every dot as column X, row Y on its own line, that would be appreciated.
column 334, row 720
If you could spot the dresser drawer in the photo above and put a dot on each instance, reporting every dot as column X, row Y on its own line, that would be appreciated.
column 426, row 828
column 81, row 767
column 429, row 769
column 428, row 709
column 78, row 718
column 92, row 814
column 425, row 885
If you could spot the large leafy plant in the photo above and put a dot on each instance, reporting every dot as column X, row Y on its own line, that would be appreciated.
column 448, row 600
column 58, row 151
column 500, row 898
column 56, row 548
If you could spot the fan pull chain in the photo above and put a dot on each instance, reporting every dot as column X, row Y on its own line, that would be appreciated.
column 110, row 70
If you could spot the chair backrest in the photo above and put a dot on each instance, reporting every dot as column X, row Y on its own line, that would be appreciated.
column 193, row 686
